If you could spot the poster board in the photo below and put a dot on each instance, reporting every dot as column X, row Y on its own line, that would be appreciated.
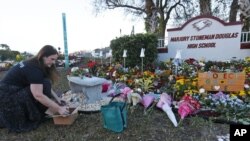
column 228, row 81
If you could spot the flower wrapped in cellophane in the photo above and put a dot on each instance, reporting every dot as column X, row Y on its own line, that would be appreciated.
column 165, row 104
column 188, row 105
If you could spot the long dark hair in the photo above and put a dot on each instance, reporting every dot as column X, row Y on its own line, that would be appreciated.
column 37, row 60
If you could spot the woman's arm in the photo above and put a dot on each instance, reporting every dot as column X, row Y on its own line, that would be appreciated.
column 58, row 99
column 56, row 96
column 37, row 92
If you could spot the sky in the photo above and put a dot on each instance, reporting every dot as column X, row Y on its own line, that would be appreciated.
column 27, row 25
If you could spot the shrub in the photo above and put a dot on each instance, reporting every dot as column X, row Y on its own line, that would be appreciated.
column 133, row 45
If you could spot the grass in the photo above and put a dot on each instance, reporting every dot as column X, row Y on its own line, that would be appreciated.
column 152, row 127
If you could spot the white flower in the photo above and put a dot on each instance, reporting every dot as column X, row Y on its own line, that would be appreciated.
column 74, row 69
column 125, row 78
column 114, row 74
column 171, row 77
column 202, row 90
column 134, row 98
column 201, row 64
column 139, row 90
column 168, row 110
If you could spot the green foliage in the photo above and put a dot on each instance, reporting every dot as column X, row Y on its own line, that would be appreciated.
column 7, row 54
column 235, row 66
column 19, row 57
column 133, row 45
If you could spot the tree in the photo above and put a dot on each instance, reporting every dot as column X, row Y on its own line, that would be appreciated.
column 5, row 46
column 219, row 8
column 5, row 52
column 156, row 13
column 236, row 6
column 244, row 8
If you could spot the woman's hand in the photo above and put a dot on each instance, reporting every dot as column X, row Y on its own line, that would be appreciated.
column 63, row 110
column 62, row 103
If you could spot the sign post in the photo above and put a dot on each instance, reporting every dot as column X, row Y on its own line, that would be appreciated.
column 66, row 55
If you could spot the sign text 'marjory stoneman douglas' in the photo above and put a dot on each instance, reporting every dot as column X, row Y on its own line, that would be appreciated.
column 204, row 37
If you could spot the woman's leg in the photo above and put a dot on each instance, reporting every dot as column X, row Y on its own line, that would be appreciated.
column 18, row 110
column 1, row 121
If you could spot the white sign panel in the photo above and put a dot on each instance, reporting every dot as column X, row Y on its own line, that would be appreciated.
column 206, row 37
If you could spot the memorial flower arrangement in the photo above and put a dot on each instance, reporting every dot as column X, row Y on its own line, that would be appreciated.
column 92, row 66
column 165, row 103
column 88, row 70
column 147, row 100
column 126, row 78
column 146, row 82
column 183, row 88
column 79, row 71
column 230, row 107
column 187, row 106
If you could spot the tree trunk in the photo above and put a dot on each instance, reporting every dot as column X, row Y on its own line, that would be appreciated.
column 233, row 11
column 162, row 28
column 151, row 19
column 205, row 7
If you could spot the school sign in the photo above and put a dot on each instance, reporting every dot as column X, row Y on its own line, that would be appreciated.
column 205, row 37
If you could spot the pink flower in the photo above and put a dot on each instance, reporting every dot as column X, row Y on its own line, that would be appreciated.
column 125, row 91
column 188, row 105
column 164, row 99
column 184, row 109
column 164, row 103
column 147, row 100
column 193, row 102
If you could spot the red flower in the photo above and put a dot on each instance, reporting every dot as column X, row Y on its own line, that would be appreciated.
column 190, row 61
column 91, row 64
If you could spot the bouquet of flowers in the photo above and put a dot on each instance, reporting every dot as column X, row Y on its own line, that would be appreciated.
column 165, row 103
column 230, row 107
column 188, row 105
column 76, row 71
column 146, row 101
column 92, row 66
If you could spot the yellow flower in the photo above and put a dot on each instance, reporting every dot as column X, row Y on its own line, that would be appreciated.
column 248, row 92
column 177, row 86
column 247, row 59
column 191, row 91
column 194, row 83
column 233, row 95
column 242, row 93
column 195, row 91
column 181, row 81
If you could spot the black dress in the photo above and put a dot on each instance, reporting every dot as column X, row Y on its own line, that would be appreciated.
column 19, row 111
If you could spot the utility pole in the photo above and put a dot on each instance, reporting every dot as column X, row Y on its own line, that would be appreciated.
column 66, row 55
